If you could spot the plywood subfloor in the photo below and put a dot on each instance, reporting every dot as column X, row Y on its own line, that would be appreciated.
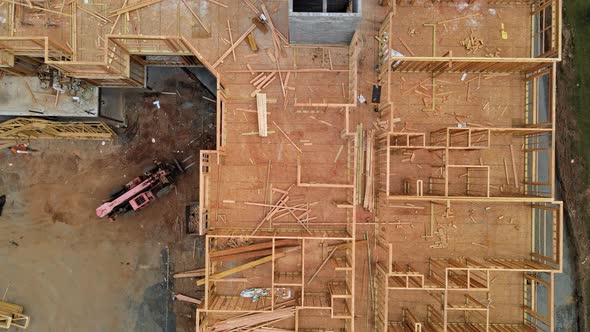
column 409, row 21
column 242, row 173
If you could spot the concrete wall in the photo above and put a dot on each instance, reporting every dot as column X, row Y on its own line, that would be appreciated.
column 323, row 28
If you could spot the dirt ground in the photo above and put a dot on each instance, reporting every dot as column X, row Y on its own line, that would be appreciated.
column 74, row 272
column 572, row 173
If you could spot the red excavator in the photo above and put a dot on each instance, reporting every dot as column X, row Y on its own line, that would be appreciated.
column 157, row 180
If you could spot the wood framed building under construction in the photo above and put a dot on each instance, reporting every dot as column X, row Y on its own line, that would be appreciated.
column 436, row 212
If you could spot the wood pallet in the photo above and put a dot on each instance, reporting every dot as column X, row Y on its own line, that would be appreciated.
column 11, row 315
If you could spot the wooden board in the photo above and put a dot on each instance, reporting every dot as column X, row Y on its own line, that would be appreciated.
column 262, row 117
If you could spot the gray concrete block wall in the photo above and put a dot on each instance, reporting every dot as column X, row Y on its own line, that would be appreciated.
column 323, row 28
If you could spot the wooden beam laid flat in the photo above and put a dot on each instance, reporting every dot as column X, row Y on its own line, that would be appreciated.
column 136, row 6
column 242, row 267
column 253, row 247
column 261, row 110
column 252, row 254
column 232, row 47
column 185, row 298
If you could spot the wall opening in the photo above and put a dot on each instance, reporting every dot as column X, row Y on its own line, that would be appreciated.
column 329, row 22
column 324, row 6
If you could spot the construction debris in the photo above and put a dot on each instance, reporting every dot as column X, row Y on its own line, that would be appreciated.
column 472, row 44
column 408, row 194
column 252, row 321
column 11, row 315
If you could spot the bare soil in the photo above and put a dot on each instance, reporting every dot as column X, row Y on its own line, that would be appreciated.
column 572, row 173
column 74, row 272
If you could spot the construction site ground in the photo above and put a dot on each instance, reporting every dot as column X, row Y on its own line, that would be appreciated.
column 85, row 274
column 573, row 157
column 56, row 253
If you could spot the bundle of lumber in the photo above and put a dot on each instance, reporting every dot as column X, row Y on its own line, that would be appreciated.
column 130, row 8
column 254, row 250
column 253, row 322
column 300, row 212
column 262, row 115
column 11, row 315
column 241, row 268
column 472, row 43
column 369, row 197
column 261, row 81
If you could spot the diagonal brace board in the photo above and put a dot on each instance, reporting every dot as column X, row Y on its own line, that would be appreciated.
column 231, row 48
column 242, row 267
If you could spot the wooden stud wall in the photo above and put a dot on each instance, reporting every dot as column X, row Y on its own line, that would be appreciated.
column 444, row 273
column 117, row 68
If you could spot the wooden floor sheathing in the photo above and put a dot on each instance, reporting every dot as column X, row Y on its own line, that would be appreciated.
column 312, row 122
column 483, row 19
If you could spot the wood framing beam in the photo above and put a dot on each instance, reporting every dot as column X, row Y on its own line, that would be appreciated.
column 321, row 265
column 218, row 3
column 287, row 137
column 251, row 254
column 231, row 40
column 195, row 16
column 347, row 245
column 188, row 299
column 261, row 111
column 253, row 247
column 127, row 9
column 37, row 7
column 514, row 172
column 94, row 14
column 190, row 274
column 232, row 47
column 242, row 267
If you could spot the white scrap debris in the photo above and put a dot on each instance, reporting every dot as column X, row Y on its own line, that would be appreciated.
column 394, row 53
column 256, row 293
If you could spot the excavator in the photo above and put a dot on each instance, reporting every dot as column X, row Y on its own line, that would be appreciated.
column 156, row 181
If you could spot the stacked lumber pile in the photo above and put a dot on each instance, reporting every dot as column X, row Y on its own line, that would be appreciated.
column 472, row 44
column 282, row 247
column 264, row 78
column 300, row 212
column 234, row 242
column 254, row 250
column 369, row 197
column 383, row 125
column 262, row 115
column 241, row 268
column 253, row 322
column 261, row 81
column 11, row 315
